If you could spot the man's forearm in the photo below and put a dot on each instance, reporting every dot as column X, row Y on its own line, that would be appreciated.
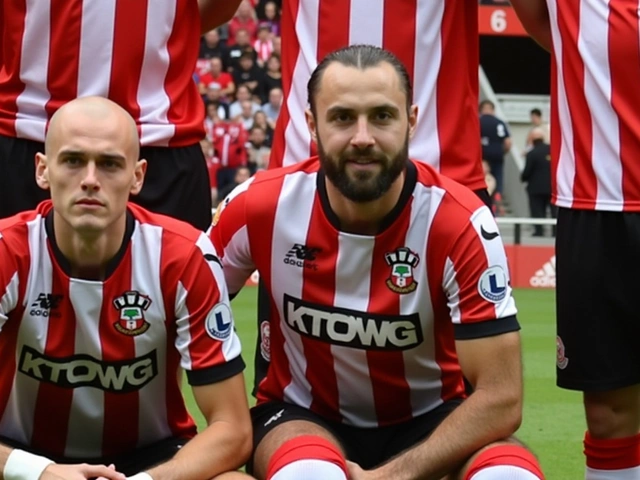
column 214, row 13
column 480, row 420
column 217, row 449
column 535, row 19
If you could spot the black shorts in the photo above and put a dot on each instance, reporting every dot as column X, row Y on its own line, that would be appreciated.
column 368, row 447
column 176, row 182
column 597, row 286
column 131, row 463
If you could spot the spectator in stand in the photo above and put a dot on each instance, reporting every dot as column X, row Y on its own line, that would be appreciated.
column 212, row 118
column 537, row 174
column 212, row 96
column 211, row 45
column 244, row 19
column 272, row 77
column 273, row 106
column 263, row 44
column 495, row 139
column 272, row 17
column 246, row 114
column 212, row 167
column 257, row 149
column 217, row 77
column 260, row 120
column 536, row 122
column 229, row 143
column 243, row 93
column 64, row 50
column 248, row 73
column 277, row 46
column 242, row 45
column 242, row 174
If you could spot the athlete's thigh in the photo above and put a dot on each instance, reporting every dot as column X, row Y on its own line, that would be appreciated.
column 274, row 423
column 597, row 285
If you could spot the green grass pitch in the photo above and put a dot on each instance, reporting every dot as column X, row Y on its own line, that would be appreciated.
column 553, row 424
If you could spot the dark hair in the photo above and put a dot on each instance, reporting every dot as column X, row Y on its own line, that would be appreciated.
column 362, row 57
column 536, row 111
column 487, row 102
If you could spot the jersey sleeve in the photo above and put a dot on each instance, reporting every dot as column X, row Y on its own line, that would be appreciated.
column 206, row 338
column 476, row 281
column 9, row 281
column 229, row 235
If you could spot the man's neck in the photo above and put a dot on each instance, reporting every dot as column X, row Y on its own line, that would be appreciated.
column 364, row 218
column 89, row 253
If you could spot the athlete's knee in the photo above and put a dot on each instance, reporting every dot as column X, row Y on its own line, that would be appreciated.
column 613, row 414
column 511, row 461
column 310, row 457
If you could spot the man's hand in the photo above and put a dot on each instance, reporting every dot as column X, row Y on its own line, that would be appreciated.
column 81, row 471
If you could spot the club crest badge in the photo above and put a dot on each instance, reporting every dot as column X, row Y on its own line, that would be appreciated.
column 402, row 262
column 132, row 305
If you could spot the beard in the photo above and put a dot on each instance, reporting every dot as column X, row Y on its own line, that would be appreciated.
column 363, row 186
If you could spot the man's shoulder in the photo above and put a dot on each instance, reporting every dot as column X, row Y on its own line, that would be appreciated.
column 179, row 231
column 17, row 225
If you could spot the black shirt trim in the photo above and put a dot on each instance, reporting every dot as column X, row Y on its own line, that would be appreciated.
column 491, row 328
column 63, row 262
column 410, row 179
column 217, row 373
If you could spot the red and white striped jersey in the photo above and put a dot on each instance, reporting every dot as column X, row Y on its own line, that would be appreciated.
column 437, row 40
column 595, row 113
column 362, row 327
column 90, row 368
column 140, row 54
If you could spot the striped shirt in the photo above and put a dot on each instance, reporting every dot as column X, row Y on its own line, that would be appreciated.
column 437, row 40
column 140, row 54
column 363, row 327
column 90, row 368
column 595, row 122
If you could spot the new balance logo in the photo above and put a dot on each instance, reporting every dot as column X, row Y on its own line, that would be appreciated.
column 44, row 304
column 302, row 256
column 546, row 276
column 275, row 418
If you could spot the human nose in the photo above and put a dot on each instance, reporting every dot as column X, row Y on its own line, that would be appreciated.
column 362, row 137
column 90, row 180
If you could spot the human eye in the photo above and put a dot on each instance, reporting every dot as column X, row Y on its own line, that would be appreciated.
column 383, row 116
column 72, row 160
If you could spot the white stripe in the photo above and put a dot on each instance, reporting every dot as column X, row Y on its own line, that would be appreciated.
column 425, row 145
column 9, row 300
column 452, row 286
column 593, row 43
column 618, row 474
column 366, row 20
column 425, row 389
column 86, row 414
column 17, row 422
column 298, row 192
column 231, row 346
column 353, row 274
column 146, row 254
column 496, row 256
column 566, row 168
column 152, row 98
column 31, row 115
column 183, row 337
column 96, row 47
column 296, row 134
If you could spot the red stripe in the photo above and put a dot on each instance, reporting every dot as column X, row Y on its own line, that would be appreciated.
column 436, row 255
column 556, row 134
column 51, row 419
column 403, row 15
column 391, row 392
column 624, row 59
column 9, row 337
column 457, row 91
column 585, row 185
column 320, row 369
column 64, row 60
column 129, row 38
column 290, row 52
column 11, row 57
column 186, row 109
column 333, row 26
column 119, row 408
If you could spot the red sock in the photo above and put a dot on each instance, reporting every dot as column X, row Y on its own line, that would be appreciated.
column 513, row 455
column 612, row 454
column 306, row 447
